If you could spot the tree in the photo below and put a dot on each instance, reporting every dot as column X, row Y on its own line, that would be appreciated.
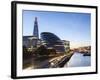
column 24, row 49
column 26, row 53
column 42, row 50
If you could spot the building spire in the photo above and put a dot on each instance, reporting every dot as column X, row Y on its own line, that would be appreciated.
column 35, row 31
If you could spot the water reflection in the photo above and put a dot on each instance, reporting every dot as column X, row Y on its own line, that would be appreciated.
column 78, row 60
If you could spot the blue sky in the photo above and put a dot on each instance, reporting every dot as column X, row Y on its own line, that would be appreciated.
column 74, row 27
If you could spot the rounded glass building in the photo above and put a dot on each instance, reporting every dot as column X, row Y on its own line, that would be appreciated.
column 52, row 41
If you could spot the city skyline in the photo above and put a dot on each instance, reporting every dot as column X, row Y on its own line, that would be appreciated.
column 74, row 27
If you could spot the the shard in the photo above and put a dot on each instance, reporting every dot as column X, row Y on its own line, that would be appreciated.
column 35, row 31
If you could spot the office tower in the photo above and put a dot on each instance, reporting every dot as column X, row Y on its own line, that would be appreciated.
column 35, row 31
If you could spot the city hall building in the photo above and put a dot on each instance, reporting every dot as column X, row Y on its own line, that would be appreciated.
column 51, row 41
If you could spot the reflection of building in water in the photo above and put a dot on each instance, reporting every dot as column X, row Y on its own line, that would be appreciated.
column 51, row 41
column 66, row 45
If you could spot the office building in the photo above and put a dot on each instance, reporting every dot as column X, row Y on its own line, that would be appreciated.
column 66, row 45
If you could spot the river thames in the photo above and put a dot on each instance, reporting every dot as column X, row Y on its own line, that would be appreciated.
column 78, row 60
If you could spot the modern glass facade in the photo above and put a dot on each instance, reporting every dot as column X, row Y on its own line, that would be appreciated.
column 66, row 45
column 52, row 41
column 36, row 31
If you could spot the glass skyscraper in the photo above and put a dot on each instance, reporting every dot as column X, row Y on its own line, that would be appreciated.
column 35, row 31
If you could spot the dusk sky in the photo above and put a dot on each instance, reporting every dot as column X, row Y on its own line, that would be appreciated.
column 74, row 27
